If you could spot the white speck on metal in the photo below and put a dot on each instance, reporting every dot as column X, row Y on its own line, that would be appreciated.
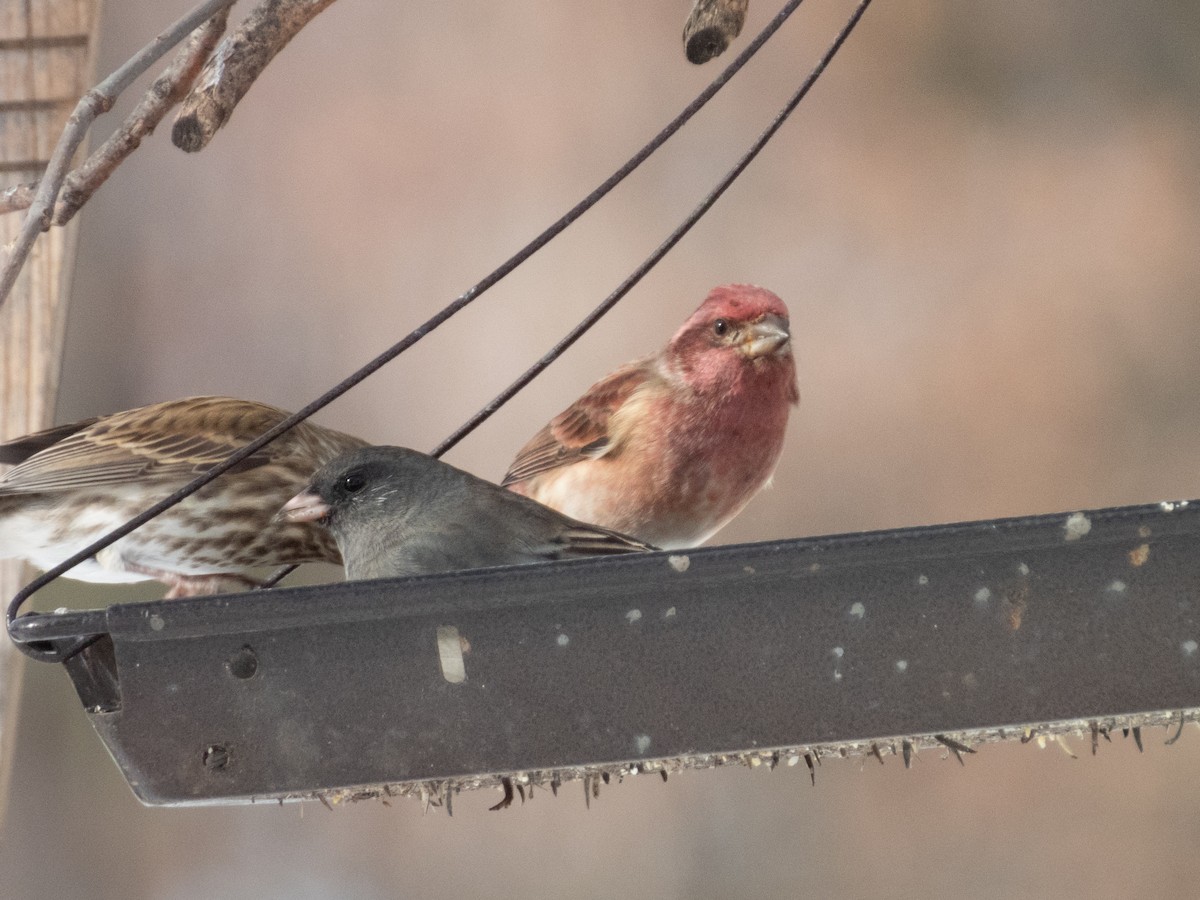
column 857, row 610
column 641, row 743
column 1189, row 647
column 679, row 563
column 902, row 666
column 983, row 595
column 450, row 654
column 1117, row 587
column 1023, row 569
column 562, row 640
column 1076, row 526
column 633, row 615
column 922, row 580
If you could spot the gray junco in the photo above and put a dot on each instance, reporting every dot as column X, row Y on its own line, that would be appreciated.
column 395, row 511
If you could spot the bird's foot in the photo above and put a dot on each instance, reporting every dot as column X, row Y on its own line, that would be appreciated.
column 202, row 585
column 195, row 585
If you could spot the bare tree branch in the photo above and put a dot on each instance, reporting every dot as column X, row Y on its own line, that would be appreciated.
column 17, row 197
column 235, row 65
column 710, row 28
column 94, row 103
column 167, row 91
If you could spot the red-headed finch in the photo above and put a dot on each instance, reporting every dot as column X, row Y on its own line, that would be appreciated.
column 395, row 511
column 669, row 448
column 74, row 483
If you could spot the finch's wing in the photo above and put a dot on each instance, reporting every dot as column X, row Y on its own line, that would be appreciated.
column 582, row 429
column 20, row 449
column 167, row 441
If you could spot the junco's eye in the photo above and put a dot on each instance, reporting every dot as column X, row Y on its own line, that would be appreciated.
column 720, row 327
column 353, row 483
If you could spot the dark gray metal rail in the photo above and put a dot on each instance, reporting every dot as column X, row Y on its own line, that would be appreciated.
column 560, row 670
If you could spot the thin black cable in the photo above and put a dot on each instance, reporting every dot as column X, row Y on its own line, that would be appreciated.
column 417, row 334
column 653, row 259
column 640, row 272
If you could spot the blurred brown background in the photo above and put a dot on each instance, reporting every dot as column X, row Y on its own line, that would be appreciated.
column 985, row 221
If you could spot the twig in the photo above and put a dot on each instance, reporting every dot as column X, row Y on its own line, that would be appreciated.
column 95, row 102
column 168, row 89
column 17, row 197
column 236, row 64
column 710, row 28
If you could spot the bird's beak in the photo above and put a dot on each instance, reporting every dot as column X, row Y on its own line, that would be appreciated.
column 768, row 335
column 304, row 507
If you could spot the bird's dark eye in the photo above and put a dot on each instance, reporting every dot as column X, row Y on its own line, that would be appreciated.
column 720, row 327
column 353, row 483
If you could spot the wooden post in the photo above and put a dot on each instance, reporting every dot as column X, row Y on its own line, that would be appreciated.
column 46, row 63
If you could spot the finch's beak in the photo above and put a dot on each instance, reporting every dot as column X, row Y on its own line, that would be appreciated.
column 304, row 507
column 768, row 335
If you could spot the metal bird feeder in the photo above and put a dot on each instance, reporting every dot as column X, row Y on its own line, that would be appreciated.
column 887, row 642
column 882, row 642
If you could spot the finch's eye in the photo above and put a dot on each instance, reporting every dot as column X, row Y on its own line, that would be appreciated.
column 720, row 327
column 353, row 483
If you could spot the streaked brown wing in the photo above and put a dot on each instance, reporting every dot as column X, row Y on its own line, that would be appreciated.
column 166, row 441
column 580, row 430
column 20, row 449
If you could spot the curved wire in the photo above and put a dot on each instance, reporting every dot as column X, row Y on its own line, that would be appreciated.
column 63, row 652
column 640, row 272
column 665, row 247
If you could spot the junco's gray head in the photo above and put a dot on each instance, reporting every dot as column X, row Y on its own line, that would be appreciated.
column 371, row 482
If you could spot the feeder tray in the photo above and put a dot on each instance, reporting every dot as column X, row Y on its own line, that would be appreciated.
column 648, row 662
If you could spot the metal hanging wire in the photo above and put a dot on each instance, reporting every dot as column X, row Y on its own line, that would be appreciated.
column 62, row 652
column 663, row 249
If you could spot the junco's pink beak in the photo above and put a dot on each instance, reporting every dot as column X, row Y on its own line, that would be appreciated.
column 305, row 507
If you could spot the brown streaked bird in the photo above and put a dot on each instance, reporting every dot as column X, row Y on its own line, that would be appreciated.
column 396, row 511
column 669, row 448
column 72, row 484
